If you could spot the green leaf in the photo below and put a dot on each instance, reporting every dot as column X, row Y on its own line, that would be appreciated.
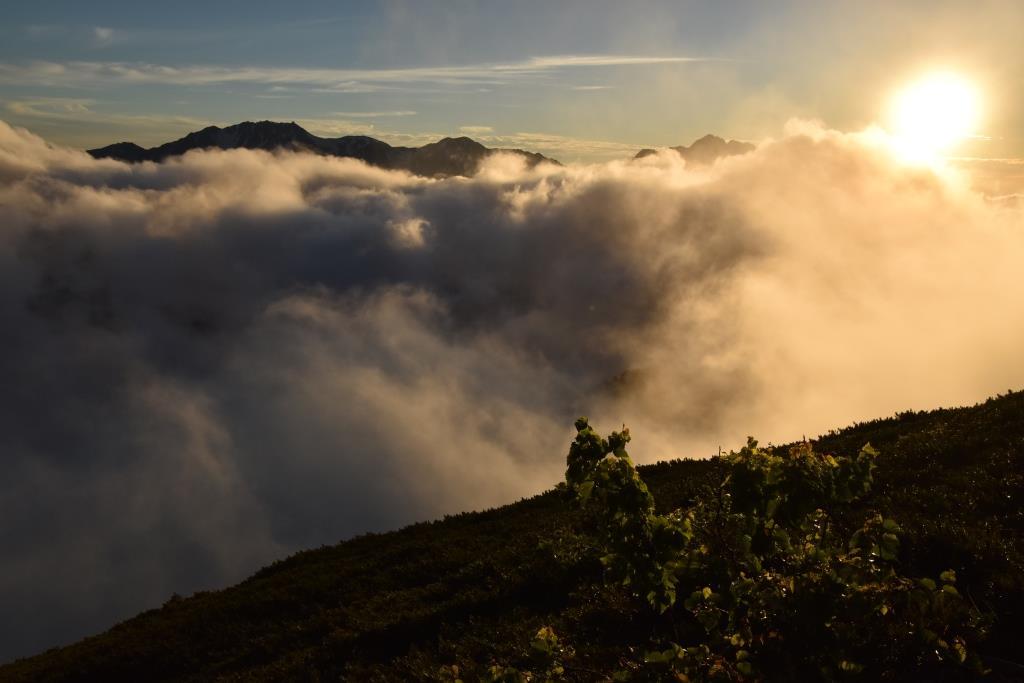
column 660, row 657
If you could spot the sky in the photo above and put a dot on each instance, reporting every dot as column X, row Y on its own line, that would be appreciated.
column 578, row 80
column 215, row 361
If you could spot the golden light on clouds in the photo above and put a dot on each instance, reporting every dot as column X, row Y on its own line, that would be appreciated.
column 934, row 114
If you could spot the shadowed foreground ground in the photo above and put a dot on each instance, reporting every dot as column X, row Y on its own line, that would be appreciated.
column 474, row 587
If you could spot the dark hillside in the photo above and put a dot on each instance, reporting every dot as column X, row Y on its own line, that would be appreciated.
column 473, row 588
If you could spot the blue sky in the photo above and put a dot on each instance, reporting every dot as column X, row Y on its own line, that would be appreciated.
column 580, row 80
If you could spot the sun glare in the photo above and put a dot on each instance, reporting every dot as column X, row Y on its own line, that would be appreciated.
column 932, row 115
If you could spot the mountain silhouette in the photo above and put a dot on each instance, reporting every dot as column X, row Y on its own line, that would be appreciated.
column 705, row 150
column 446, row 157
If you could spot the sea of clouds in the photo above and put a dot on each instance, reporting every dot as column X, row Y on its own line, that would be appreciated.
column 209, row 363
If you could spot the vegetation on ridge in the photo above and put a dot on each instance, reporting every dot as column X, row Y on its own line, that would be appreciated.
column 777, row 589
column 475, row 590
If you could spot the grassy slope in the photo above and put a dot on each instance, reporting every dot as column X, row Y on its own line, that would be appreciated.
column 472, row 587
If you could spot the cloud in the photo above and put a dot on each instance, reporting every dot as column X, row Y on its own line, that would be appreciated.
column 77, row 122
column 79, row 110
column 212, row 362
column 75, row 74
column 338, row 127
column 103, row 36
column 93, row 36
column 995, row 178
column 475, row 130
column 374, row 114
column 563, row 147
column 591, row 87
column 50, row 107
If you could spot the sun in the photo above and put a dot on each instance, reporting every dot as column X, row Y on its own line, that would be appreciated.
column 932, row 115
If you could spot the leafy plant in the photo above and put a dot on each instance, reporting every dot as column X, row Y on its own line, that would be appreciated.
column 761, row 579
column 547, row 655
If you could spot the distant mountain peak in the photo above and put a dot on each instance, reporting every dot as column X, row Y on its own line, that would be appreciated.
column 125, row 151
column 705, row 150
column 461, row 140
column 446, row 157
column 709, row 138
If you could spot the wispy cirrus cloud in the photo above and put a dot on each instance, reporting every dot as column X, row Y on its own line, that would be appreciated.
column 327, row 127
column 49, row 107
column 79, row 124
column 563, row 147
column 81, row 110
column 76, row 73
column 374, row 114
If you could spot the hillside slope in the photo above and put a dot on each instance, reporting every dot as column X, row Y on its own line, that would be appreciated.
column 472, row 588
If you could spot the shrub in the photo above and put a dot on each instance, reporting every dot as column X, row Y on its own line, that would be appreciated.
column 759, row 577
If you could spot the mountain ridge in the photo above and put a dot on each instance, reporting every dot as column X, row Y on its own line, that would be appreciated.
column 472, row 588
column 705, row 150
column 450, row 156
